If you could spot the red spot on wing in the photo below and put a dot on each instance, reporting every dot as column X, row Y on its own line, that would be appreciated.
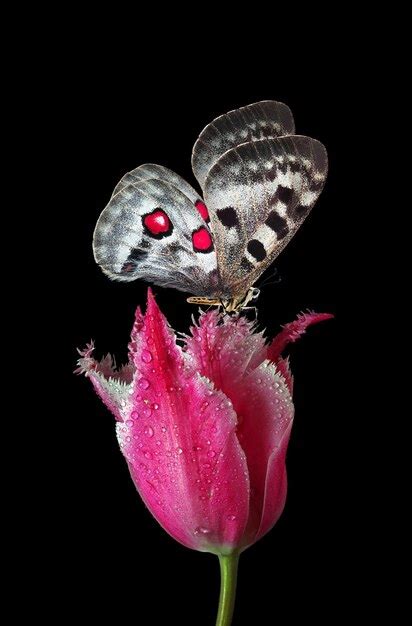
column 202, row 208
column 157, row 222
column 202, row 240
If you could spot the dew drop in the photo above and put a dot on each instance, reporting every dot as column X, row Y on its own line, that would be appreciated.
column 146, row 356
column 158, row 442
column 163, row 429
column 143, row 383
column 155, row 406
column 179, row 451
column 200, row 530
column 148, row 454
column 211, row 454
column 129, row 422
column 135, row 415
column 128, row 438
column 231, row 518
column 148, row 431
column 147, row 411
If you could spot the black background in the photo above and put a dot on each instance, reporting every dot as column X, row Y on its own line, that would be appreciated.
column 121, row 560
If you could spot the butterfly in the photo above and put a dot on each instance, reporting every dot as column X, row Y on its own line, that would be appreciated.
column 259, row 183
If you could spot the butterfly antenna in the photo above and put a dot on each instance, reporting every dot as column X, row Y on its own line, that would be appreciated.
column 274, row 278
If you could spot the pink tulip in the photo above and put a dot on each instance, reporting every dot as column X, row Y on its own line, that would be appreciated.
column 204, row 426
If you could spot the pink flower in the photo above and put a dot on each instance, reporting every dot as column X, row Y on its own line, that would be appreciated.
column 204, row 426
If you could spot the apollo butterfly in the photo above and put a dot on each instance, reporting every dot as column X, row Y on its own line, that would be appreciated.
column 259, row 183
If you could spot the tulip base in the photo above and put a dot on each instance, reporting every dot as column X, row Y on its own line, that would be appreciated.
column 228, row 579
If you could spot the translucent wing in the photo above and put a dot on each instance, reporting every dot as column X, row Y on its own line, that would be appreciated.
column 155, row 231
column 258, row 195
column 262, row 120
column 150, row 171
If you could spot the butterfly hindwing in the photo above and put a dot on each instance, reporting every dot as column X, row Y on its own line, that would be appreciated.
column 150, row 171
column 152, row 230
column 258, row 195
column 262, row 120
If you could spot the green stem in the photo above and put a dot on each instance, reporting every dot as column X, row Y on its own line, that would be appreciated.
column 228, row 578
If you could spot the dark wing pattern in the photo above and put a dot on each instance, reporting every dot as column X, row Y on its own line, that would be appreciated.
column 262, row 120
column 258, row 195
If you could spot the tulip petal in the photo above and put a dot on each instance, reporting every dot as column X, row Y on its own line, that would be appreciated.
column 226, row 351
column 292, row 331
column 111, row 385
column 224, row 348
column 180, row 442
column 275, row 486
column 264, row 408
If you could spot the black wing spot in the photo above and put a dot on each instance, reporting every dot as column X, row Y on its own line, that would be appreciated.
column 228, row 217
column 256, row 249
column 136, row 256
column 300, row 209
column 284, row 194
column 294, row 166
column 278, row 224
column 246, row 265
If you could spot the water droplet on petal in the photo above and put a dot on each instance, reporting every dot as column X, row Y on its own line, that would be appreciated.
column 155, row 406
column 135, row 415
column 147, row 411
column 231, row 518
column 211, row 454
column 179, row 451
column 128, row 438
column 201, row 530
column 148, row 431
column 143, row 383
column 146, row 356
column 129, row 422
column 163, row 429
column 148, row 454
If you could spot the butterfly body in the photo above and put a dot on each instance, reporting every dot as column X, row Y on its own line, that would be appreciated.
column 259, row 182
column 229, row 305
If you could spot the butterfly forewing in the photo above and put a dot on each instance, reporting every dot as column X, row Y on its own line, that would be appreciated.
column 258, row 195
column 257, row 121
column 152, row 230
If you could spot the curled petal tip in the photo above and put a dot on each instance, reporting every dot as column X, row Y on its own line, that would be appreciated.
column 293, row 331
